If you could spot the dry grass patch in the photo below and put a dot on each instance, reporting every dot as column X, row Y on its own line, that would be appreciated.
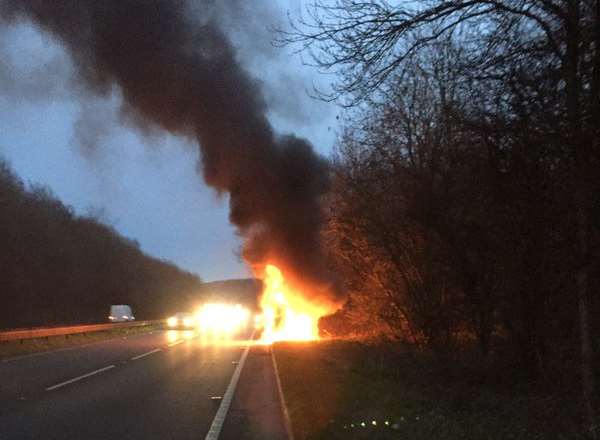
column 346, row 390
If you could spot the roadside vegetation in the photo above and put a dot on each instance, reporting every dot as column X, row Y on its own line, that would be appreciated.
column 464, row 215
column 59, row 268
column 348, row 390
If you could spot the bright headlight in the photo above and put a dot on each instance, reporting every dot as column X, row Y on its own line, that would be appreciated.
column 188, row 322
column 222, row 318
column 172, row 321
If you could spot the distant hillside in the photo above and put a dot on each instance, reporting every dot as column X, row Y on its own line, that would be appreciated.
column 243, row 291
column 60, row 268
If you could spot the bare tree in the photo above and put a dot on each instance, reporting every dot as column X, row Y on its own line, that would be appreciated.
column 366, row 42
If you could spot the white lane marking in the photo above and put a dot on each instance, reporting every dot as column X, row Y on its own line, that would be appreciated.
column 172, row 344
column 83, row 376
column 219, row 420
column 286, row 415
column 72, row 347
column 139, row 356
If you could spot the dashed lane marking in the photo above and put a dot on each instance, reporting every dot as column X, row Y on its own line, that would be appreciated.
column 78, row 378
column 139, row 356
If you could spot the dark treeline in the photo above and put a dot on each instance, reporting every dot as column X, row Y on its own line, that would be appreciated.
column 60, row 268
column 465, row 210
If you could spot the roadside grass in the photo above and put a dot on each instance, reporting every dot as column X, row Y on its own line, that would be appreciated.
column 11, row 349
column 346, row 390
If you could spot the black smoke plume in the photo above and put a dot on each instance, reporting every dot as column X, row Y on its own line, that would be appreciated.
column 181, row 74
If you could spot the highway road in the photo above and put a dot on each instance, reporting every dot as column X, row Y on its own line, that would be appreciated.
column 149, row 386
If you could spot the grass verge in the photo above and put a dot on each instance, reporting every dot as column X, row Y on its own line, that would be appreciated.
column 11, row 349
column 346, row 390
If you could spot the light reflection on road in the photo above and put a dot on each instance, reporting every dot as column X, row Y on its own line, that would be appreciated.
column 223, row 339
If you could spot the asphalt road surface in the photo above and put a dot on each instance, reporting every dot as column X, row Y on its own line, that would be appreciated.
column 149, row 386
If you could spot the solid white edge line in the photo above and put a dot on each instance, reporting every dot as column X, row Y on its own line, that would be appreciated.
column 286, row 415
column 83, row 376
column 139, row 356
column 219, row 420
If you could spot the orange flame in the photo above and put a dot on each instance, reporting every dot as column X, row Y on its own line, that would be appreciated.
column 287, row 315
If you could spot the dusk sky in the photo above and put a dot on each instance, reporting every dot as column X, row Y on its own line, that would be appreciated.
column 144, row 184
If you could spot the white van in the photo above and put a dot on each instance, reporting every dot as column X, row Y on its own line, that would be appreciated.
column 120, row 313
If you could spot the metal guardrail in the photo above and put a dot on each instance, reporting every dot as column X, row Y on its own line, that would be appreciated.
column 44, row 332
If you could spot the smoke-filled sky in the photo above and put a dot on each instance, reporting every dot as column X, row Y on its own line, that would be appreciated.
column 143, row 180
